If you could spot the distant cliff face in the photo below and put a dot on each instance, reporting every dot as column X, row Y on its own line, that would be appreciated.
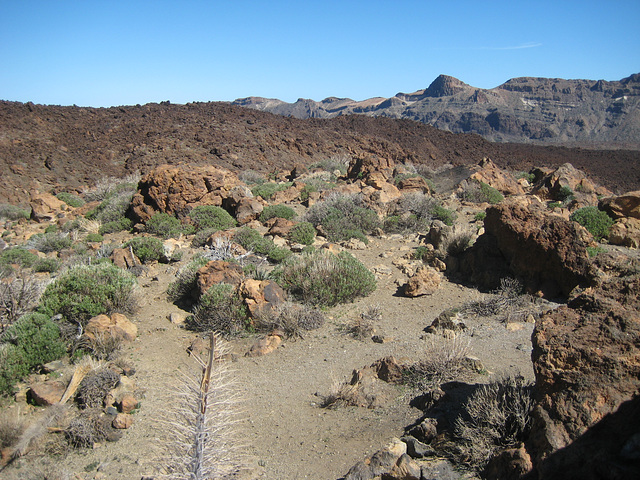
column 531, row 110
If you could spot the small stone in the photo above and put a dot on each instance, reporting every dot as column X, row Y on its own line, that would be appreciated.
column 122, row 421
column 264, row 346
column 128, row 404
column 177, row 318
column 417, row 449
column 381, row 339
column 514, row 326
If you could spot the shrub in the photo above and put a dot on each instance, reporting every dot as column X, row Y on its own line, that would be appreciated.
column 496, row 416
column 46, row 265
column 38, row 337
column 51, row 229
column 210, row 216
column 13, row 368
column 85, row 291
column 19, row 294
column 278, row 254
column 565, row 194
column 277, row 211
column 266, row 190
column 335, row 162
column 220, row 310
column 413, row 212
column 166, row 226
column 306, row 191
column 324, row 279
column 147, row 249
column 403, row 176
column 553, row 205
column 70, row 199
column 88, row 428
column 50, row 242
column 251, row 177
column 108, row 186
column 201, row 237
column 597, row 222
column 529, row 177
column 14, row 212
column 19, row 256
column 363, row 326
column 480, row 192
column 252, row 240
column 448, row 217
column 342, row 217
column 94, row 387
column 114, row 207
column 183, row 287
column 593, row 251
column 94, row 237
column 303, row 233
column 291, row 318
column 115, row 226
column 480, row 216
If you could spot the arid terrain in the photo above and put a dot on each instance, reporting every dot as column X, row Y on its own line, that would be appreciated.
column 485, row 273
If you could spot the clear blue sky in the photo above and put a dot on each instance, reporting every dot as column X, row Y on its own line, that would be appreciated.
column 112, row 52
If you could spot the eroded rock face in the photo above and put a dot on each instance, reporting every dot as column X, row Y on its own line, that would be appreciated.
column 627, row 205
column 114, row 326
column 546, row 251
column 586, row 359
column 177, row 189
column 570, row 177
column 45, row 206
column 218, row 271
column 489, row 173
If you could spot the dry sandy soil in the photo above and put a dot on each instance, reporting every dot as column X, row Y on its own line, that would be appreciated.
column 287, row 435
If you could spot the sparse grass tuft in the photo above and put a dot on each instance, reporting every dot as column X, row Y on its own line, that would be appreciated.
column 291, row 318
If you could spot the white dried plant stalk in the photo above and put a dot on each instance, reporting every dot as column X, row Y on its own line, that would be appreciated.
column 202, row 438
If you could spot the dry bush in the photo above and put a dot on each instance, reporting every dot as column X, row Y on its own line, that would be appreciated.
column 91, row 426
column 200, row 436
column 495, row 417
column 19, row 294
column 104, row 345
column 11, row 428
column 49, row 470
column 363, row 327
column 342, row 394
column 444, row 360
column 95, row 387
column 458, row 241
column 292, row 318
column 508, row 302
column 35, row 432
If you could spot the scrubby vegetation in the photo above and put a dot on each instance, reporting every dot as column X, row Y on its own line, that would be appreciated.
column 220, row 310
column 210, row 216
column 277, row 211
column 343, row 217
column 267, row 190
column 480, row 192
column 70, row 199
column 147, row 249
column 166, row 226
column 597, row 222
column 253, row 241
column 324, row 279
column 303, row 232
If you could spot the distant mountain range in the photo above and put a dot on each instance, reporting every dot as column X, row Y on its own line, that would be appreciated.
column 589, row 113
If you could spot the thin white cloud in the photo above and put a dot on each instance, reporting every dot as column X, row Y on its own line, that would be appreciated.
column 514, row 47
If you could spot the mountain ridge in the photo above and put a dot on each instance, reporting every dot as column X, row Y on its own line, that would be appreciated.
column 538, row 110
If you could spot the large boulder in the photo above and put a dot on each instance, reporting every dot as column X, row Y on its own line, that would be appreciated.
column 626, row 232
column 546, row 251
column 45, row 207
column 489, row 173
column 586, row 358
column 627, row 205
column 261, row 296
column 426, row 281
column 177, row 189
column 116, row 326
column 373, row 170
column 217, row 271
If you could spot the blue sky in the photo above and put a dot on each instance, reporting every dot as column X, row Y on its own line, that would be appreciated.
column 103, row 53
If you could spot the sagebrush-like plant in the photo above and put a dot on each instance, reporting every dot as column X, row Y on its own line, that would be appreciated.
column 266, row 190
column 496, row 416
column 147, row 249
column 303, row 232
column 597, row 222
column 166, row 226
column 19, row 294
column 324, row 279
column 70, row 199
column 85, row 291
column 277, row 211
column 291, row 318
column 183, row 288
column 50, row 242
column 343, row 217
column 211, row 216
column 220, row 310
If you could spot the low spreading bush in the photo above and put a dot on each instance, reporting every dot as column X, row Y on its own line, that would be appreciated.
column 343, row 217
column 496, row 416
column 277, row 211
column 166, row 226
column 50, row 242
column 114, row 207
column 84, row 291
column 70, row 199
column 480, row 216
column 303, row 232
column 324, row 279
column 446, row 216
column 94, row 237
column 291, row 318
column 414, row 212
column 183, row 288
column 266, row 190
column 251, row 177
column 14, row 212
column 565, row 194
column 49, row 265
column 115, row 226
column 147, row 249
column 219, row 310
column 18, row 256
column 252, row 240
column 109, row 186
column 19, row 294
column 480, row 192
column 210, row 216
column 597, row 222
column 31, row 341
column 333, row 163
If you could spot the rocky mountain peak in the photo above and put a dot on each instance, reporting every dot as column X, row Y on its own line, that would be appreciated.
column 445, row 86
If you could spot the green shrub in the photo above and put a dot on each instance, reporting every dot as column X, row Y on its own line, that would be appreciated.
column 448, row 217
column 565, row 194
column 166, row 226
column 19, row 256
column 324, row 279
column 420, row 252
column 413, row 212
column 46, row 265
column 51, row 229
column 221, row 310
column 597, row 222
column 492, row 195
column 147, row 249
column 13, row 212
column 13, row 367
column 306, row 191
column 115, row 226
column 553, row 205
column 84, row 291
column 183, row 288
column 593, row 251
column 266, row 190
column 480, row 192
column 277, row 211
column 251, row 177
column 480, row 216
column 343, row 217
column 529, row 177
column 278, row 254
column 201, row 237
column 303, row 232
column 403, row 176
column 210, row 216
column 94, row 237
column 70, row 199
column 252, row 240
column 50, row 242
column 114, row 207
column 335, row 162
